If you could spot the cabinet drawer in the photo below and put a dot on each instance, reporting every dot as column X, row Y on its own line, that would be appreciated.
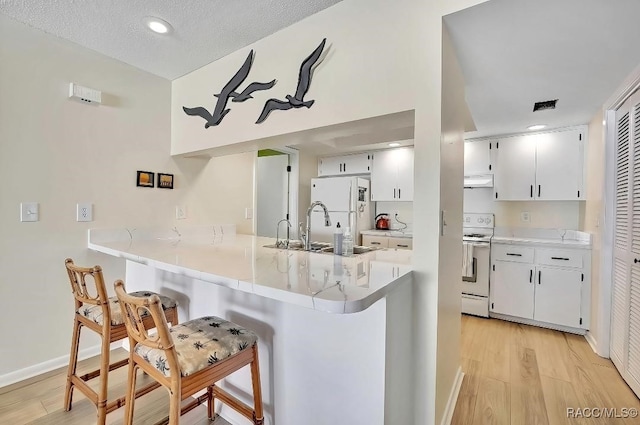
column 559, row 257
column 401, row 243
column 517, row 254
column 376, row 241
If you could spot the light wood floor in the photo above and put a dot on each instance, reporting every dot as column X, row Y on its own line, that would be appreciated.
column 40, row 401
column 514, row 374
column 519, row 374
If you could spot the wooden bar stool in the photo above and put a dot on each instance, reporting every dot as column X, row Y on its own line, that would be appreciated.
column 188, row 358
column 92, row 306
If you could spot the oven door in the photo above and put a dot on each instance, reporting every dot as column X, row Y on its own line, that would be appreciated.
column 479, row 285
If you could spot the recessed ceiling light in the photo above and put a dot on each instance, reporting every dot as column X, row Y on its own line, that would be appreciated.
column 536, row 127
column 158, row 25
column 394, row 144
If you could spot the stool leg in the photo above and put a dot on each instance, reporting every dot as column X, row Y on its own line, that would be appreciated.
column 258, row 416
column 174, row 403
column 210, row 401
column 104, row 377
column 130, row 397
column 73, row 362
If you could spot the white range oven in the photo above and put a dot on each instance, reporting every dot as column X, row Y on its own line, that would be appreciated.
column 476, row 241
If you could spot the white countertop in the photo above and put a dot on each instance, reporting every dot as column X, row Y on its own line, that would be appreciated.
column 319, row 281
column 389, row 233
column 546, row 237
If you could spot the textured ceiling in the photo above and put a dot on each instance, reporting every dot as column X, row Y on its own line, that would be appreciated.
column 204, row 30
column 517, row 52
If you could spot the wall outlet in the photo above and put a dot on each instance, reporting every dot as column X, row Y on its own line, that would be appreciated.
column 29, row 211
column 525, row 217
column 84, row 211
column 181, row 212
column 248, row 213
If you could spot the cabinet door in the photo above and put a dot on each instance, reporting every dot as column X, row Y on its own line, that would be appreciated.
column 515, row 169
column 512, row 289
column 384, row 175
column 330, row 166
column 559, row 159
column 404, row 158
column 477, row 157
column 558, row 296
column 356, row 164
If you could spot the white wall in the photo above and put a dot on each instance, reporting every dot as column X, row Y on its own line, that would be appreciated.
column 58, row 152
column 404, row 210
column 543, row 214
column 366, row 73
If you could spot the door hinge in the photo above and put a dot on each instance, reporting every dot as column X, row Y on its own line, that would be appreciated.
column 582, row 277
column 288, row 168
column 581, row 320
column 491, row 306
column 494, row 267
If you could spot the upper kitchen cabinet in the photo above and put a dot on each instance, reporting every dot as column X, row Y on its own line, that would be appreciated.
column 343, row 165
column 546, row 166
column 477, row 157
column 392, row 175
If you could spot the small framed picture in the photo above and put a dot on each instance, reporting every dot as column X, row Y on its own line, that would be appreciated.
column 145, row 179
column 165, row 181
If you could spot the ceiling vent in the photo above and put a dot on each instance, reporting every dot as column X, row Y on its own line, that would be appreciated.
column 547, row 104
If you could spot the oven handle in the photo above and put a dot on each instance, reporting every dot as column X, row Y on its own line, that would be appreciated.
column 514, row 255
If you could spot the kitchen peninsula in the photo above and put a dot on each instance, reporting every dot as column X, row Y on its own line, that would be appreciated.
column 334, row 331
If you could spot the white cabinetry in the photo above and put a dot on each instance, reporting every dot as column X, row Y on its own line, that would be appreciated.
column 545, row 166
column 477, row 157
column 387, row 242
column 546, row 286
column 346, row 164
column 392, row 175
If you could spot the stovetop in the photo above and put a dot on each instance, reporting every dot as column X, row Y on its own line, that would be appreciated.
column 477, row 227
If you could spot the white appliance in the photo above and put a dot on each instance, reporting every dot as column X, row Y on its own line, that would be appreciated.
column 348, row 202
column 477, row 232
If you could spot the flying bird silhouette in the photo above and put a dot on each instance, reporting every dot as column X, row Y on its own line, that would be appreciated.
column 246, row 93
column 304, row 81
column 223, row 97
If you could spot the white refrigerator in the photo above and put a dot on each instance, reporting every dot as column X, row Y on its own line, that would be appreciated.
column 348, row 202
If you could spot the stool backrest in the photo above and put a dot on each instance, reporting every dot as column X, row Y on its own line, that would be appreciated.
column 135, row 309
column 95, row 293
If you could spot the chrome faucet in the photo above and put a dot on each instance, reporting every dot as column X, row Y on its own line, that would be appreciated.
column 327, row 222
column 279, row 243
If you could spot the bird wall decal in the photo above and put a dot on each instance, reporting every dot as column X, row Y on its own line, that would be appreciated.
column 229, row 92
column 304, row 81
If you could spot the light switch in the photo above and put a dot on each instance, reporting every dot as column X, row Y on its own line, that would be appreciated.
column 248, row 213
column 29, row 211
column 84, row 211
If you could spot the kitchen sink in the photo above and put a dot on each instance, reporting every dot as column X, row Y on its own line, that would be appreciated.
column 321, row 248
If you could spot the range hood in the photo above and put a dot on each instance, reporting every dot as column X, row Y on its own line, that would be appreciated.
column 483, row 180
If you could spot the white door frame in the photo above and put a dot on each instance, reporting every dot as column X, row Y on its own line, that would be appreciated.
column 630, row 86
column 294, row 184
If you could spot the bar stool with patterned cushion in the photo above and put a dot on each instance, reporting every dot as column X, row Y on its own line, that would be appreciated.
column 92, row 306
column 188, row 358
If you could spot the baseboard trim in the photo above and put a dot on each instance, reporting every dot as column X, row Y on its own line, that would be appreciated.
column 48, row 366
column 592, row 342
column 530, row 322
column 453, row 398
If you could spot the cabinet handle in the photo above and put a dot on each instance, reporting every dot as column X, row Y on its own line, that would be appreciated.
column 340, row 167
column 530, row 276
column 635, row 260
column 394, row 193
column 539, row 277
column 399, row 196
column 514, row 255
column 374, row 243
column 531, row 191
column 560, row 258
column 402, row 246
column 538, row 191
column 344, row 167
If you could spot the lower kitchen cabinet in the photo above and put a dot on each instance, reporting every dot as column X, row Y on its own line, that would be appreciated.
column 512, row 290
column 529, row 288
column 387, row 242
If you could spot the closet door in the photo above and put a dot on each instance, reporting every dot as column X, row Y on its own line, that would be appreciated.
column 625, row 320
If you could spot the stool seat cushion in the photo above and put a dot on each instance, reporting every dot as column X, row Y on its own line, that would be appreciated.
column 200, row 343
column 94, row 312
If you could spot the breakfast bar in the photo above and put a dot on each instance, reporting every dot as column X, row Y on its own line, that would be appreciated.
column 334, row 331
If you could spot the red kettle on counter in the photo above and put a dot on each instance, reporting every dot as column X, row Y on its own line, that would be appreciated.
column 382, row 221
